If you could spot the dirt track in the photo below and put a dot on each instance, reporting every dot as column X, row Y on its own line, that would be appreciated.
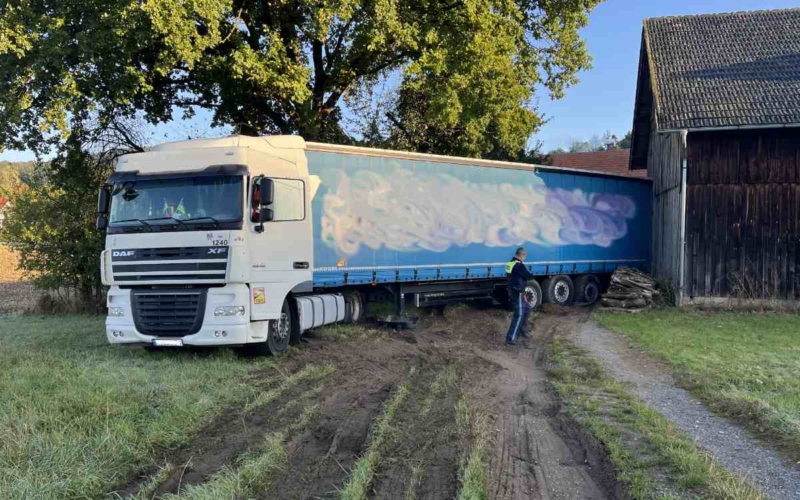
column 537, row 451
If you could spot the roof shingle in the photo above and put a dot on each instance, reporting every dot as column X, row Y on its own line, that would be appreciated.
column 723, row 70
column 613, row 161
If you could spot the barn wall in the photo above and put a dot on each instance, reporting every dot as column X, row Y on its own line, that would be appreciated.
column 665, row 160
column 743, row 206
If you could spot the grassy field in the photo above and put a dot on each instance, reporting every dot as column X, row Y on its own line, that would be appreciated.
column 744, row 366
column 652, row 457
column 78, row 415
column 80, row 418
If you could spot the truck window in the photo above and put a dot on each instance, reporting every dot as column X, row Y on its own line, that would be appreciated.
column 289, row 201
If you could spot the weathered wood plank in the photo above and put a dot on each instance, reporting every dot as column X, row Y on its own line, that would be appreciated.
column 783, row 245
column 691, row 247
column 727, row 236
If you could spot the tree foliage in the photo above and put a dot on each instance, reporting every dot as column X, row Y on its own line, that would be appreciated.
column 52, row 221
column 11, row 175
column 465, row 70
column 606, row 142
column 625, row 142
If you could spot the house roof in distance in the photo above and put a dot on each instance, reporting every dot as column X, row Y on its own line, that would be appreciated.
column 612, row 161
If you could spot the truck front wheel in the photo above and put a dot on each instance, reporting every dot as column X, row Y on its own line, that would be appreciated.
column 282, row 331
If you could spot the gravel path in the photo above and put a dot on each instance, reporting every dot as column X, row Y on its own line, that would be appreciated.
column 728, row 443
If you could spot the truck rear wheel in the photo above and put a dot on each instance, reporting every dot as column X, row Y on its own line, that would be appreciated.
column 534, row 293
column 559, row 290
column 587, row 289
column 354, row 307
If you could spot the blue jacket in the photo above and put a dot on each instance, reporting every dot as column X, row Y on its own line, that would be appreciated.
column 518, row 275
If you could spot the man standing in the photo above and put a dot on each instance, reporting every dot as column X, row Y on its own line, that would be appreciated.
column 518, row 276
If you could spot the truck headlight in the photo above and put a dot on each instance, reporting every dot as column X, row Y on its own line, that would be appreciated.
column 229, row 311
column 116, row 311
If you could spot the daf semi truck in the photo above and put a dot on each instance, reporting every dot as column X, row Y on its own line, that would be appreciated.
column 251, row 241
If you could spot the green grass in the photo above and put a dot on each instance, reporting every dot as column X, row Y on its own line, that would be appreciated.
column 77, row 416
column 651, row 456
column 473, row 428
column 742, row 365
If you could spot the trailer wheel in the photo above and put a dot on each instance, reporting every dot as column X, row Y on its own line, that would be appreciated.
column 559, row 290
column 587, row 289
column 354, row 307
column 534, row 293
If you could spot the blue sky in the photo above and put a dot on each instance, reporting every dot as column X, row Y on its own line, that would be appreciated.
column 603, row 100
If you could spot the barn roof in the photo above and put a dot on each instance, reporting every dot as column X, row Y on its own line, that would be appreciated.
column 613, row 161
column 736, row 70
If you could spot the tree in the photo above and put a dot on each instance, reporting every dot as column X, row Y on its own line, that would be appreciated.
column 467, row 69
column 625, row 142
column 606, row 142
column 10, row 176
column 581, row 147
column 52, row 223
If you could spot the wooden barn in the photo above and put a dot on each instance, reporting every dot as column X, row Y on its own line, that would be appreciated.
column 717, row 125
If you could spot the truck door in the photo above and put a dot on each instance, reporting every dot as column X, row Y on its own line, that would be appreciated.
column 281, row 249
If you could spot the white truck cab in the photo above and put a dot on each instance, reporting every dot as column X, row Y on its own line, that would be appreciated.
column 205, row 241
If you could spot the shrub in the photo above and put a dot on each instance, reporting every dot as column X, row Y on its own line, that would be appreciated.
column 52, row 226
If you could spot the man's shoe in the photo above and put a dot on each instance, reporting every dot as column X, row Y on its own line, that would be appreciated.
column 524, row 335
column 510, row 342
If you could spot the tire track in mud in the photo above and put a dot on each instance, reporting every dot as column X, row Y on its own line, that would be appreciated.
column 229, row 435
column 320, row 458
column 424, row 454
column 539, row 452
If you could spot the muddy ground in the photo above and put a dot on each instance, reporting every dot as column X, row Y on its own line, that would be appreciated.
column 536, row 451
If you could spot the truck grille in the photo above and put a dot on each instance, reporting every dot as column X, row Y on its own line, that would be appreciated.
column 169, row 313
column 189, row 264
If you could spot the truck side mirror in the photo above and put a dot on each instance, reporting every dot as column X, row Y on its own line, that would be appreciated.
column 266, row 215
column 103, row 200
column 102, row 223
column 267, row 192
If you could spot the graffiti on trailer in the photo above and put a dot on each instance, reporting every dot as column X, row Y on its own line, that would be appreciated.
column 412, row 211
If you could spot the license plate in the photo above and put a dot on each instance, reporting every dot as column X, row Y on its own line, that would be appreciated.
column 167, row 343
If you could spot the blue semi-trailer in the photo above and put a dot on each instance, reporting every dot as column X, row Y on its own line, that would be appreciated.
column 252, row 241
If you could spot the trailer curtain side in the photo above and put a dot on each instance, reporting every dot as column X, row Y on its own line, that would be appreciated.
column 388, row 219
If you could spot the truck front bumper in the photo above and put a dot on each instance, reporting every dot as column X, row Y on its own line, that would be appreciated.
column 215, row 330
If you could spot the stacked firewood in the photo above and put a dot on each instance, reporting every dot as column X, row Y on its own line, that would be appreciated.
column 631, row 289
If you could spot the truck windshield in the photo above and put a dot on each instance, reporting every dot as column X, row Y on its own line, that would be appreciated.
column 186, row 202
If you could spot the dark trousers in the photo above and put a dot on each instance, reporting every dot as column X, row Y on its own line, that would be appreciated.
column 519, row 321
